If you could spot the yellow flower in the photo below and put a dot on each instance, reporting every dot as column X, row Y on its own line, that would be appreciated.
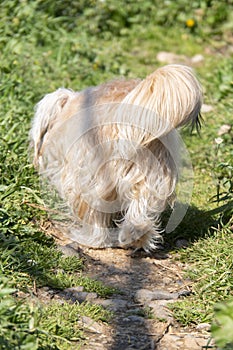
column 190, row 23
column 15, row 20
column 95, row 66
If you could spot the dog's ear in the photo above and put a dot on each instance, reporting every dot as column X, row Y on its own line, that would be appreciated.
column 47, row 111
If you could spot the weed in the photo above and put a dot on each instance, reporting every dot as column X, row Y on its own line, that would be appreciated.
column 221, row 328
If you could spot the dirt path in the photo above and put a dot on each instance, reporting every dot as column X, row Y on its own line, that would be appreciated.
column 141, row 317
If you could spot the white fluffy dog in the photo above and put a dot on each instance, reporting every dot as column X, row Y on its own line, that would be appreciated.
column 103, row 150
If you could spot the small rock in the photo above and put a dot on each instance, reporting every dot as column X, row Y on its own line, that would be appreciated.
column 170, row 342
column 92, row 325
column 184, row 293
column 134, row 319
column 91, row 296
column 205, row 342
column 170, row 57
column 197, row 59
column 203, row 327
column 74, row 289
column 224, row 129
column 158, row 328
column 159, row 309
column 181, row 243
column 167, row 280
column 190, row 343
column 206, row 108
column 143, row 295
column 80, row 296
column 113, row 304
column 70, row 249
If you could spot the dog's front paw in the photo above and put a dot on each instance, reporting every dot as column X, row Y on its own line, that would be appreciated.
column 147, row 239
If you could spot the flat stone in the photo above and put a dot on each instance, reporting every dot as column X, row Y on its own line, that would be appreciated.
column 167, row 280
column 112, row 304
column 203, row 327
column 157, row 328
column 74, row 289
column 170, row 342
column 78, row 294
column 134, row 319
column 160, row 310
column 190, row 343
column 145, row 295
column 203, row 342
column 71, row 249
column 92, row 325
column 182, row 341
column 224, row 129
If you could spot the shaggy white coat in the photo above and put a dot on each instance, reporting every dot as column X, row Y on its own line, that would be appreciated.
column 102, row 149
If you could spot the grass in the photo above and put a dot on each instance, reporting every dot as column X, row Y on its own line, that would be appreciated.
column 43, row 47
column 27, row 325
column 210, row 266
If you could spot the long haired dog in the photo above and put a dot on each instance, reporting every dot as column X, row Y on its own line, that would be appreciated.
column 102, row 150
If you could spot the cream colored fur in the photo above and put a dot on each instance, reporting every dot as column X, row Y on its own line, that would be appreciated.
column 102, row 149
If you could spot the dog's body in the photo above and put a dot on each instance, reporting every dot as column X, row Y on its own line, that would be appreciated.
column 103, row 151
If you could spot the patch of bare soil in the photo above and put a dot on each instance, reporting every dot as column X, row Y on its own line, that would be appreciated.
column 142, row 319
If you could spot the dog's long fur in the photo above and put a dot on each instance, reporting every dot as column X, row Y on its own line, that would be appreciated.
column 101, row 148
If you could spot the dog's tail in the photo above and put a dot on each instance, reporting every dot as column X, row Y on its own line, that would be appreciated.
column 47, row 112
column 168, row 98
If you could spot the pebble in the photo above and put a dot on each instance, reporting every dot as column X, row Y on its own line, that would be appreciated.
column 224, row 129
column 197, row 59
column 203, row 327
column 206, row 108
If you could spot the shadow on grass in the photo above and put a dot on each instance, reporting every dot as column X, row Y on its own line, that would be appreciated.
column 196, row 224
column 34, row 260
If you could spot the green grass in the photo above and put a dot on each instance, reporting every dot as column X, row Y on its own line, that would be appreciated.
column 43, row 47
column 210, row 266
column 27, row 325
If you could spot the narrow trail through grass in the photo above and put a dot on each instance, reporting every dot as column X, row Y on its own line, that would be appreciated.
column 82, row 44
